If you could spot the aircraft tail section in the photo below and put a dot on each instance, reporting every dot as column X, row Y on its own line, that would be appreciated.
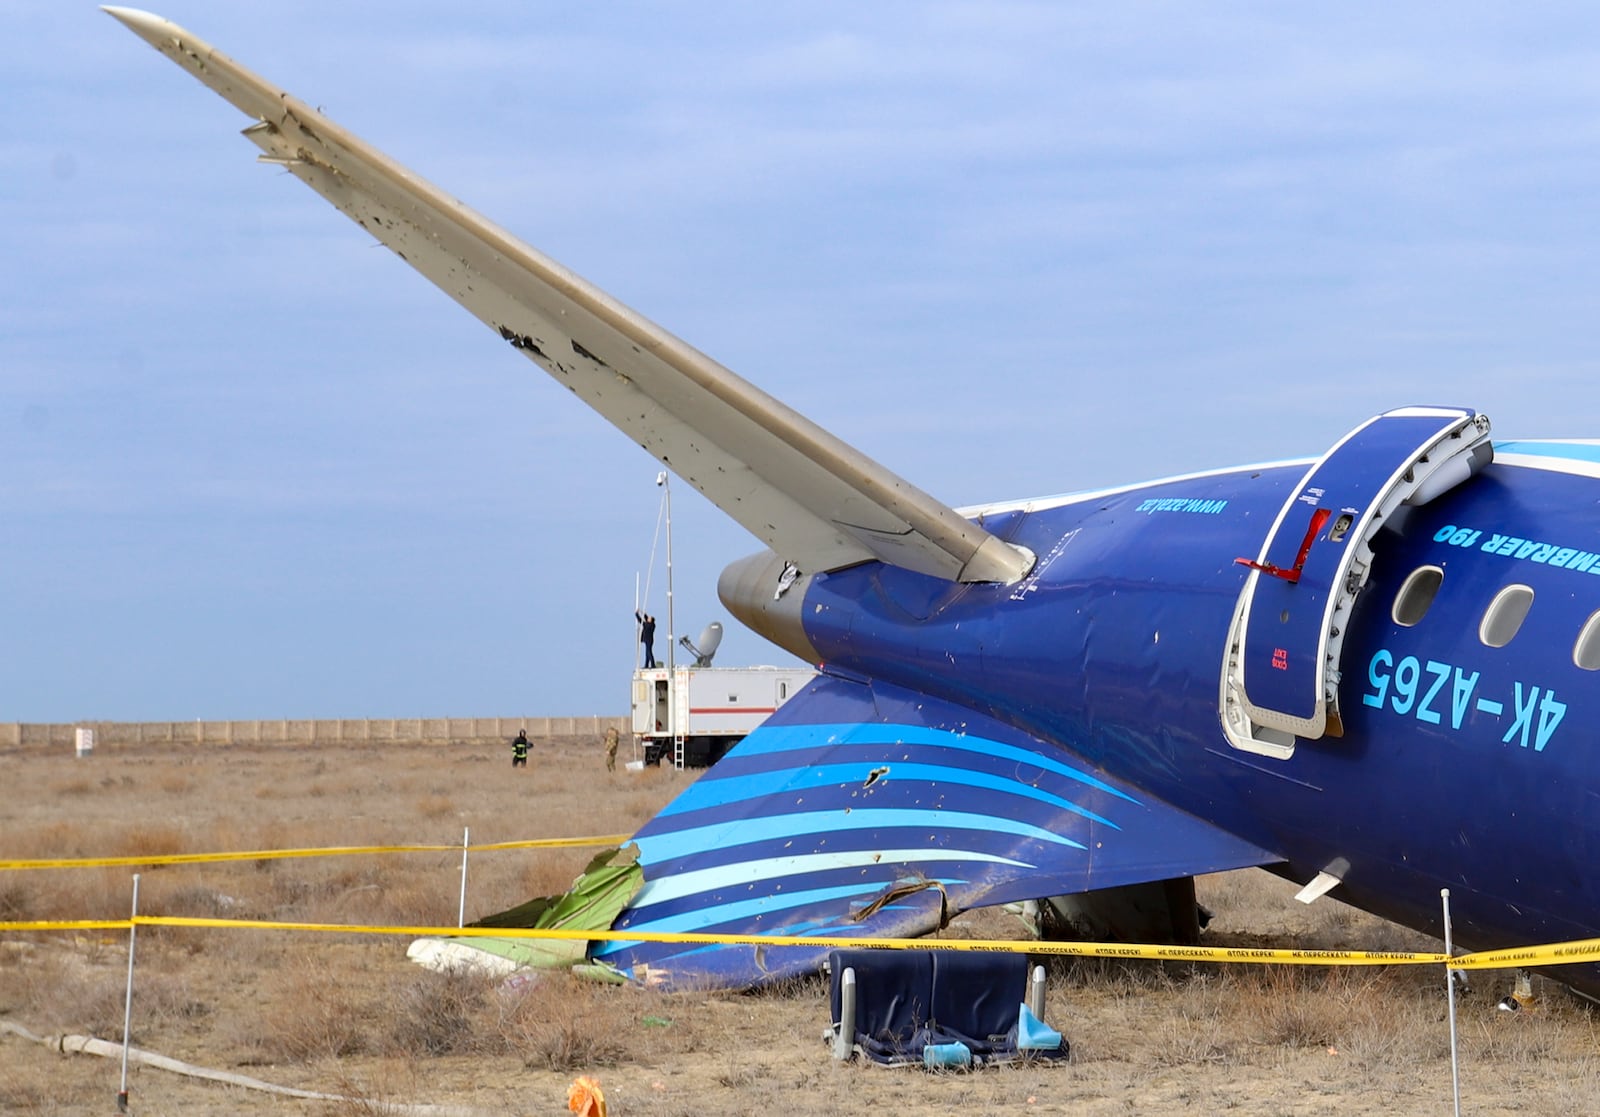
column 813, row 499
column 861, row 809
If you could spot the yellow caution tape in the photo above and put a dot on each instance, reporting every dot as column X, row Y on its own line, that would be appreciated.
column 1552, row 954
column 555, row 843
column 1094, row 950
column 285, row 854
column 1581, row 950
column 66, row 925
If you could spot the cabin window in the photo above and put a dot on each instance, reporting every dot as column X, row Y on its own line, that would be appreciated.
column 1411, row 603
column 1587, row 652
column 1505, row 615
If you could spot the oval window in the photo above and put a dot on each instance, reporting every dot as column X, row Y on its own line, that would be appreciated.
column 1411, row 603
column 1505, row 615
column 1587, row 652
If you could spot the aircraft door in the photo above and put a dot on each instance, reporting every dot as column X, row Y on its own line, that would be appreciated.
column 1281, row 665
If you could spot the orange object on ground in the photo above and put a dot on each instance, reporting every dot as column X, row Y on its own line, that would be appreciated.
column 584, row 1097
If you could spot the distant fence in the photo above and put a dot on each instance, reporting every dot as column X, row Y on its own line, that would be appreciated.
column 289, row 731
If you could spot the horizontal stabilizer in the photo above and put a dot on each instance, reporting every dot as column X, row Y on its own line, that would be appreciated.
column 860, row 809
column 813, row 499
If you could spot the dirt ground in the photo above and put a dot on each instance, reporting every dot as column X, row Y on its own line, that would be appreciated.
column 348, row 1015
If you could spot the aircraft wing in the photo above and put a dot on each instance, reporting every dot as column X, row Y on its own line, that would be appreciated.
column 813, row 499
column 865, row 810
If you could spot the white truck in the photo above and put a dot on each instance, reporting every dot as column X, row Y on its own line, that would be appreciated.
column 692, row 716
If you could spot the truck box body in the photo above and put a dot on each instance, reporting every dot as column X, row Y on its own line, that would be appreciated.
column 710, row 709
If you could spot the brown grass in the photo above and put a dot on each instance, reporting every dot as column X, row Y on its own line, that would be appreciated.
column 347, row 1014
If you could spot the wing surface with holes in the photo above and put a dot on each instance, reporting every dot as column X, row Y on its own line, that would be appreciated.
column 813, row 499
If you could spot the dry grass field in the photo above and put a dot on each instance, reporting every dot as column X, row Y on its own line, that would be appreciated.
column 349, row 1015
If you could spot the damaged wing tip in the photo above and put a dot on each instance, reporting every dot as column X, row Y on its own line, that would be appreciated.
column 146, row 25
column 133, row 17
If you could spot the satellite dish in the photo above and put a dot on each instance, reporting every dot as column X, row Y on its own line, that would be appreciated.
column 706, row 647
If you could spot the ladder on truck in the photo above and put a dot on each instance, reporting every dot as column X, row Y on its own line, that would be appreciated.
column 679, row 713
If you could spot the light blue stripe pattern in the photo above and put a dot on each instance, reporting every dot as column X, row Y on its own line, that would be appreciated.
column 784, row 738
column 1574, row 451
column 809, row 927
column 712, row 792
column 657, row 848
column 701, row 918
column 765, row 869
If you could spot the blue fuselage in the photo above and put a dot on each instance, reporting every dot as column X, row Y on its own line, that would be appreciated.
column 1460, row 766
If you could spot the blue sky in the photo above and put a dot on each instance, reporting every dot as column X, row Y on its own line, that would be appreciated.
column 253, row 466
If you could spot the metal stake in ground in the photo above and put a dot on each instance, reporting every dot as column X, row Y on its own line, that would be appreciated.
column 461, row 911
column 127, row 1002
column 1450, row 994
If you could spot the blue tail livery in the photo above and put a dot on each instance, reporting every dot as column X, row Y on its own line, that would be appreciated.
column 864, row 808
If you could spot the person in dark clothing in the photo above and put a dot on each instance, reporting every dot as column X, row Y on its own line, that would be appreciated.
column 647, row 636
column 519, row 749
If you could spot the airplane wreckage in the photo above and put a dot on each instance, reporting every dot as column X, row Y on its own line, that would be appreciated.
column 1372, row 671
